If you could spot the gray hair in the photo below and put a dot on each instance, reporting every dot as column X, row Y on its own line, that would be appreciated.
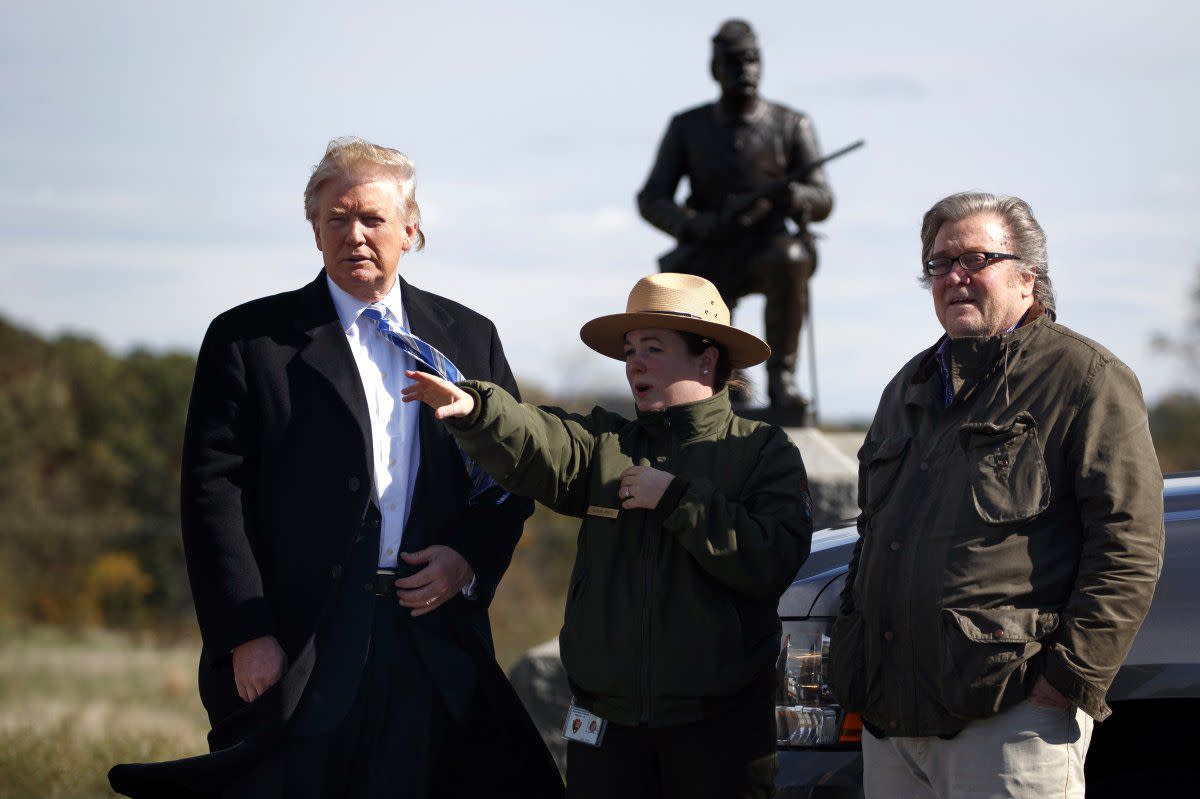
column 344, row 154
column 1029, row 240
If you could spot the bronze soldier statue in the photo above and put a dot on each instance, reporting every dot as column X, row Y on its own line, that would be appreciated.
column 730, row 151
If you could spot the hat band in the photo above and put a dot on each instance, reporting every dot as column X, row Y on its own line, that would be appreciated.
column 670, row 313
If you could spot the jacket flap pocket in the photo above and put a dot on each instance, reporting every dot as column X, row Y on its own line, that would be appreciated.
column 1003, row 625
column 882, row 467
column 1009, row 480
column 889, row 449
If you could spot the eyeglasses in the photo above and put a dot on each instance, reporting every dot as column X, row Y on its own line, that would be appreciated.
column 970, row 261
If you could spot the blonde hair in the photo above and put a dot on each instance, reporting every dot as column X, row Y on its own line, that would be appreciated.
column 345, row 154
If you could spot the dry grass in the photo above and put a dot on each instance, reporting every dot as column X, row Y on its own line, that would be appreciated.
column 73, row 704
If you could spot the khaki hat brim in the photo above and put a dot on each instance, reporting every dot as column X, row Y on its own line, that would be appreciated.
column 606, row 335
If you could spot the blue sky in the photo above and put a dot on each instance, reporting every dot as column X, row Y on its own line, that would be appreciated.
column 153, row 155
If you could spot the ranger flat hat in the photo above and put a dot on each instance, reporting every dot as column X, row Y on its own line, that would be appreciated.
column 675, row 301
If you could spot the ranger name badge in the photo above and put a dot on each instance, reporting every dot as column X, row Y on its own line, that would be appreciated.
column 584, row 727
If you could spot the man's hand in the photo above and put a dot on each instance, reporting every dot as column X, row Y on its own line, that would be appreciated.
column 1047, row 695
column 643, row 486
column 257, row 665
column 443, row 578
column 446, row 399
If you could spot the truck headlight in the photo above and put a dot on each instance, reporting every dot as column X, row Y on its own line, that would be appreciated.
column 806, row 713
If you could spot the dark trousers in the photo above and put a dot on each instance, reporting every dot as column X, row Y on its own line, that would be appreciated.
column 381, row 748
column 726, row 756
column 399, row 741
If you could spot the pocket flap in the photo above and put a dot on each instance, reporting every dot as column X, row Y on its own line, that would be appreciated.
column 1004, row 625
column 984, row 434
column 889, row 449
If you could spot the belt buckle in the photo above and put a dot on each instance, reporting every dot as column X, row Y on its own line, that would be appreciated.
column 385, row 582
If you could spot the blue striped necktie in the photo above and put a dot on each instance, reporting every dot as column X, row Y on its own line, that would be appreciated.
column 443, row 367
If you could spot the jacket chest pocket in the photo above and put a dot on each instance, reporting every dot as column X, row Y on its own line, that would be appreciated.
column 1009, row 482
column 880, row 470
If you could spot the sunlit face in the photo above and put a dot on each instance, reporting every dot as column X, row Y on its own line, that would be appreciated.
column 661, row 372
column 986, row 302
column 361, row 233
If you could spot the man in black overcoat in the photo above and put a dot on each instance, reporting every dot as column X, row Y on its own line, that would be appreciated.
column 341, row 554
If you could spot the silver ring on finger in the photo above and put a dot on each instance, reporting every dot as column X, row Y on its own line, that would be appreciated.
column 428, row 602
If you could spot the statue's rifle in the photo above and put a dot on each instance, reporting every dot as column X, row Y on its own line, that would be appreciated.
column 745, row 210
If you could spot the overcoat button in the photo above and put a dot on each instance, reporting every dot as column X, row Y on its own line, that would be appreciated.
column 895, row 546
column 369, row 588
column 888, row 636
column 336, row 571
column 352, row 484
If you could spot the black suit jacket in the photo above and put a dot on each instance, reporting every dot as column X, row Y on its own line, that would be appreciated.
column 276, row 481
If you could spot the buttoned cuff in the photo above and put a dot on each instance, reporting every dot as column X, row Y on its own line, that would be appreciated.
column 1073, row 686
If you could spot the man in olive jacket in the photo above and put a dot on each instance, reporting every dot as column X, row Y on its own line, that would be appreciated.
column 1010, row 530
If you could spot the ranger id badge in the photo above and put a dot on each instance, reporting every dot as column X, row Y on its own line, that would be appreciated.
column 584, row 727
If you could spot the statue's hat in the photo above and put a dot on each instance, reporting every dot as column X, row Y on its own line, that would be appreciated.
column 733, row 35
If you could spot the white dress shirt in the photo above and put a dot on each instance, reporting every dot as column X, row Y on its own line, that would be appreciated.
column 395, row 441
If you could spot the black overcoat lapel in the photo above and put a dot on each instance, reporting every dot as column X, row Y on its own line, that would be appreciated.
column 432, row 494
column 328, row 353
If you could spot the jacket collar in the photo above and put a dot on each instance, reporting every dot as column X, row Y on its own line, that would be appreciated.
column 690, row 420
column 973, row 359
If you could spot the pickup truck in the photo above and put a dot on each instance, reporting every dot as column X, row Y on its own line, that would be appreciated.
column 1145, row 744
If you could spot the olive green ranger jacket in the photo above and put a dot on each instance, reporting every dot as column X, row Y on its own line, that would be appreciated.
column 670, row 613
column 1016, row 533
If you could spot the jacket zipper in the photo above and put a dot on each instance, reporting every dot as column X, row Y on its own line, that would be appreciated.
column 647, row 576
column 648, row 536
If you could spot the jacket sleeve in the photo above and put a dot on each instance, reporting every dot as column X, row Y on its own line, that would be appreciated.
column 1118, row 488
column 541, row 453
column 756, row 544
column 656, row 200
column 846, row 606
column 491, row 531
column 217, row 493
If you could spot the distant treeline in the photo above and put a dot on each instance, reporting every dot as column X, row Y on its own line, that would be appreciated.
column 89, row 480
column 89, row 494
column 89, row 483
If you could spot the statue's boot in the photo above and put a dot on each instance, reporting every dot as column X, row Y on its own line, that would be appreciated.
column 781, row 384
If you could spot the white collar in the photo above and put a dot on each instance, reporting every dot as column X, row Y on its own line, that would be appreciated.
column 349, row 307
